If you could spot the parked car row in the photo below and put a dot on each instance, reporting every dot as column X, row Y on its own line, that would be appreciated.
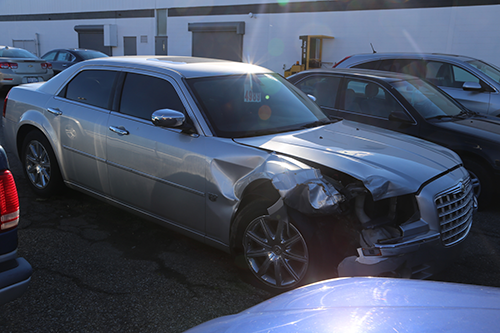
column 235, row 156
column 19, row 66
column 409, row 105
column 472, row 82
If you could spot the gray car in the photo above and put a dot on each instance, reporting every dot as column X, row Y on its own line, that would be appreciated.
column 233, row 155
column 64, row 58
column 18, row 66
column 473, row 82
column 377, row 305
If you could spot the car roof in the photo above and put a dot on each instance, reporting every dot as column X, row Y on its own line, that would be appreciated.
column 70, row 50
column 188, row 67
column 9, row 47
column 379, row 55
column 73, row 49
column 374, row 74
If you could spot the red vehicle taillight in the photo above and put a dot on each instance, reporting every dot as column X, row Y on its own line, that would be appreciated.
column 46, row 65
column 9, row 202
column 8, row 65
column 341, row 61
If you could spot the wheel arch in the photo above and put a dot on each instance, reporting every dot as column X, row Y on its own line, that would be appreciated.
column 260, row 188
column 29, row 127
column 466, row 155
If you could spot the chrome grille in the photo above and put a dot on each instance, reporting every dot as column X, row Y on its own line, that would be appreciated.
column 455, row 207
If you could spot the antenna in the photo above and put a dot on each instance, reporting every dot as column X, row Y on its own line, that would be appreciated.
column 373, row 48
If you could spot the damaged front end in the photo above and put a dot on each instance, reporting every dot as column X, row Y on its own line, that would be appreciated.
column 358, row 235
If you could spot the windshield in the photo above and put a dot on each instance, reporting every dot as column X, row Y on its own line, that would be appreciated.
column 487, row 69
column 427, row 100
column 254, row 104
column 16, row 53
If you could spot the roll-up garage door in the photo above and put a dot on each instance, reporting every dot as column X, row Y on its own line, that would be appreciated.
column 92, row 37
column 220, row 40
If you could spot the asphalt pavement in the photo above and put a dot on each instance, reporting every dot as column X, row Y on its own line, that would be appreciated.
column 97, row 268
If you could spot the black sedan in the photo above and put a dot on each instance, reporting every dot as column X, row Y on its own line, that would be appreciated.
column 410, row 105
column 64, row 58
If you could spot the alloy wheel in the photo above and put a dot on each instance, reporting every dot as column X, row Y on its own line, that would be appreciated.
column 276, row 252
column 37, row 164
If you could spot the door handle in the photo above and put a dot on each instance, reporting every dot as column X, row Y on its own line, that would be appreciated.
column 55, row 111
column 120, row 131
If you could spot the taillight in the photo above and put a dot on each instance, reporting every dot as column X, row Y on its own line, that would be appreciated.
column 8, row 65
column 341, row 61
column 46, row 65
column 9, row 202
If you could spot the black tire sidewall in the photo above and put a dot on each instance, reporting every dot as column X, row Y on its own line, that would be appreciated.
column 55, row 180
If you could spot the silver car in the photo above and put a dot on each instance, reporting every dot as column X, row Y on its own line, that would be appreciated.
column 233, row 155
column 19, row 66
column 474, row 83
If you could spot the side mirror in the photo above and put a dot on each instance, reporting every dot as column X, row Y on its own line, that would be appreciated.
column 472, row 86
column 400, row 116
column 168, row 118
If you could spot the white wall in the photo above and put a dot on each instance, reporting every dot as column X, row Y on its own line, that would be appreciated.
column 272, row 40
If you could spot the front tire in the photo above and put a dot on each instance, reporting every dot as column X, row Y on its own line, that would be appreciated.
column 40, row 165
column 280, row 253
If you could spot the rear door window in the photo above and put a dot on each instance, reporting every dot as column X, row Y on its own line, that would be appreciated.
column 93, row 87
column 370, row 99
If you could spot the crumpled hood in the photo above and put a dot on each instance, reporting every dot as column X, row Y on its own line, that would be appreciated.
column 388, row 163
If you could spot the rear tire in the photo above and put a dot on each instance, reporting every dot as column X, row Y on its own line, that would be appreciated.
column 40, row 165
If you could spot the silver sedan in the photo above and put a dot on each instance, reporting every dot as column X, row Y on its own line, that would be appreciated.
column 19, row 66
column 233, row 155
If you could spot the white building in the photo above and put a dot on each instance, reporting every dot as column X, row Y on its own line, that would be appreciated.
column 257, row 31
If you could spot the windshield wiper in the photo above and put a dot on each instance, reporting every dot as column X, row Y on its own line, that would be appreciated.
column 462, row 114
column 441, row 116
column 320, row 123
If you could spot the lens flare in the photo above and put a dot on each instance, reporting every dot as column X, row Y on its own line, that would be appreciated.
column 265, row 112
